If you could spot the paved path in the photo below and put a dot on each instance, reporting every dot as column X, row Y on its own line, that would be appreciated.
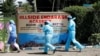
column 59, row 52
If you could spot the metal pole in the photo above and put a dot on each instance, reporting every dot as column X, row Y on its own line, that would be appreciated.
column 64, row 4
column 53, row 5
column 58, row 5
column 35, row 5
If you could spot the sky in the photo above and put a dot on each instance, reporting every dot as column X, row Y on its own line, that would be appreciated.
column 23, row 1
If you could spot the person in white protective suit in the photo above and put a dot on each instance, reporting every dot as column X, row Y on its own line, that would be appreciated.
column 48, row 31
column 71, row 30
column 12, row 36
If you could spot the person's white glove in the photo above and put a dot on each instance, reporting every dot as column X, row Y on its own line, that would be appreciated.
column 74, row 18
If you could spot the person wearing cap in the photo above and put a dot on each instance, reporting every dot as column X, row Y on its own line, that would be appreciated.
column 48, row 32
column 71, row 30
column 12, row 36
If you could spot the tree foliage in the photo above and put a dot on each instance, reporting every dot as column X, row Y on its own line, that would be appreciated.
column 32, row 4
column 94, row 39
column 27, row 7
column 47, row 5
column 96, row 22
column 9, row 8
column 96, row 6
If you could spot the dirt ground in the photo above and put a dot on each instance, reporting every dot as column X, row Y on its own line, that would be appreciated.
column 89, row 51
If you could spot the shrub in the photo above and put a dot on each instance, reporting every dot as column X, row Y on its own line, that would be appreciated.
column 94, row 39
column 79, row 11
column 96, row 21
column 96, row 6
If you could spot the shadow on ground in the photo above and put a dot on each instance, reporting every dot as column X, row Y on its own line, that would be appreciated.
column 67, row 51
column 39, row 53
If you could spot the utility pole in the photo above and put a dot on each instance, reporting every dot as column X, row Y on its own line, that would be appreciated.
column 53, row 5
column 58, row 5
column 35, row 5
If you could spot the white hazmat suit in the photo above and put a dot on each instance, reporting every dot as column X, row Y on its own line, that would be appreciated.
column 48, row 31
column 71, row 35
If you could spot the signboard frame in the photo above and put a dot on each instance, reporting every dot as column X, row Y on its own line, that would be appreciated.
column 59, row 20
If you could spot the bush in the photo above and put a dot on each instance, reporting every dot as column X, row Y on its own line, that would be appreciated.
column 96, row 6
column 94, row 39
column 95, row 25
column 96, row 21
column 79, row 11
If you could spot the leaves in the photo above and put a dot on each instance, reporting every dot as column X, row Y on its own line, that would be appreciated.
column 27, row 7
column 94, row 38
column 96, row 6
column 9, row 8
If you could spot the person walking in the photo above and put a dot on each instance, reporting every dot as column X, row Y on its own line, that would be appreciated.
column 71, row 30
column 48, row 31
column 12, row 36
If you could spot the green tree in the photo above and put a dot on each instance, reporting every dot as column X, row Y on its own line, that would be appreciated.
column 27, row 7
column 9, row 8
column 96, row 21
column 31, row 3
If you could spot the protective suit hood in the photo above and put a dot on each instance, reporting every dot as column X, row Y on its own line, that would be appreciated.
column 12, row 22
column 70, row 17
column 48, row 23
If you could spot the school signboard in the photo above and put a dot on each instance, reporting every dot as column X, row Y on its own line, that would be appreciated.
column 28, row 26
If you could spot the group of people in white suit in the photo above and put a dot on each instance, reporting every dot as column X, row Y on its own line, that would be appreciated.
column 71, row 31
column 48, row 32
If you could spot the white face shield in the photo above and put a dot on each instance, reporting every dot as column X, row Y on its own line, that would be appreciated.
column 70, row 17
column 49, row 23
column 12, row 21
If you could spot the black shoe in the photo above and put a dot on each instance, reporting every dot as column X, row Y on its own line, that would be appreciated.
column 18, row 51
column 80, row 50
column 54, row 51
column 44, row 53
